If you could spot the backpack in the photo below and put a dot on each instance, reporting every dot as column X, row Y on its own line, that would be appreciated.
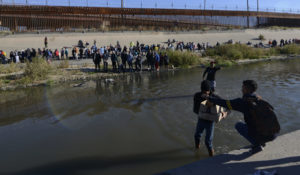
column 263, row 117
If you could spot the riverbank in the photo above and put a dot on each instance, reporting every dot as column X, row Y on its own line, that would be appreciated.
column 83, row 70
column 281, row 156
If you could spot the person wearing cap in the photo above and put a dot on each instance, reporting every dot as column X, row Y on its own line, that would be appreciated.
column 203, row 124
column 211, row 74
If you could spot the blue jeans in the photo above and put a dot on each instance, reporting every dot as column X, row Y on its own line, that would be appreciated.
column 209, row 127
column 242, row 128
column 213, row 85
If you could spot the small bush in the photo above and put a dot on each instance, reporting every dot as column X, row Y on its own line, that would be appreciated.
column 261, row 37
column 38, row 69
column 183, row 59
column 224, row 63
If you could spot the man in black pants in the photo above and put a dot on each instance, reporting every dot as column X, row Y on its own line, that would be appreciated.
column 97, row 60
column 211, row 74
column 249, row 129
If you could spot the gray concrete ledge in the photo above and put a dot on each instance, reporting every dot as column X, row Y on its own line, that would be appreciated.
column 282, row 155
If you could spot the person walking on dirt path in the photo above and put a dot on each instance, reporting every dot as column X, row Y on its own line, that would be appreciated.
column 46, row 42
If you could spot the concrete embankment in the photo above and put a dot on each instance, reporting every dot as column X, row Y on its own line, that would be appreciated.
column 281, row 155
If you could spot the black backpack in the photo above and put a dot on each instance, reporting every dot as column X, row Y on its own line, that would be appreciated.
column 263, row 117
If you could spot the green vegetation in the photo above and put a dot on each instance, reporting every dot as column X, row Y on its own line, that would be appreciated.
column 237, row 52
column 228, row 54
column 183, row 59
column 38, row 69
column 63, row 64
column 289, row 49
column 11, row 68
column 224, row 63
column 261, row 37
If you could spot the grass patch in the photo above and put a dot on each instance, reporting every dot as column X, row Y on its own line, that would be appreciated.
column 237, row 52
column 224, row 63
column 183, row 59
column 63, row 64
column 85, row 65
column 50, row 83
column 9, row 68
column 38, row 69
column 290, row 49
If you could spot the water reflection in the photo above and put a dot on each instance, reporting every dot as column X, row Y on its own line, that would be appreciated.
column 137, row 114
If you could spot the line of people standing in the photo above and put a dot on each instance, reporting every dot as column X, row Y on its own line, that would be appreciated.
column 131, row 59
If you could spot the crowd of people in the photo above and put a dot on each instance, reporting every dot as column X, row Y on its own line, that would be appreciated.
column 131, row 58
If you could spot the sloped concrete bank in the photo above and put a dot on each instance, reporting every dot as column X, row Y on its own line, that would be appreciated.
column 281, row 156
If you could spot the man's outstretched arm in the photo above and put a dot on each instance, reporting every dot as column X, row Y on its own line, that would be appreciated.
column 235, row 104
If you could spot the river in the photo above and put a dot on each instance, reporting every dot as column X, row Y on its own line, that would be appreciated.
column 139, row 124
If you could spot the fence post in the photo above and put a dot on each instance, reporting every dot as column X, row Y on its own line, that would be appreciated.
column 257, row 13
column 248, row 21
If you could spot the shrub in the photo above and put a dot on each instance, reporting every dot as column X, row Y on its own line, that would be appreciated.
column 261, row 37
column 290, row 49
column 236, row 51
column 273, row 51
column 183, row 59
column 224, row 63
column 38, row 69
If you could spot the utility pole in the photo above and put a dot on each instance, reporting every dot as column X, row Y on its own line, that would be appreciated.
column 204, row 6
column 122, row 6
column 248, row 21
column 257, row 13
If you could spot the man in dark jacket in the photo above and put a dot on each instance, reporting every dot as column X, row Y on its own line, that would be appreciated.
column 247, row 129
column 114, row 61
column 211, row 74
column 97, row 60
column 124, row 58
column 202, row 123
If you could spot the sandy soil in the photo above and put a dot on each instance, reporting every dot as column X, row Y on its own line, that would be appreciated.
column 23, row 41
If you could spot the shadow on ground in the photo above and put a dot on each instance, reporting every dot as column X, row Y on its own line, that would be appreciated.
column 98, row 163
column 226, row 164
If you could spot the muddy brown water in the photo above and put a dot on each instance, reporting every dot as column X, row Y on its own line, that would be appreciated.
column 139, row 124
